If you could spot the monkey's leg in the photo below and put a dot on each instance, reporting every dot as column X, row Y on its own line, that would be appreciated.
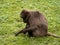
column 27, row 29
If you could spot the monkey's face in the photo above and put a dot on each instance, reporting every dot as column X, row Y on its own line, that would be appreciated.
column 24, row 15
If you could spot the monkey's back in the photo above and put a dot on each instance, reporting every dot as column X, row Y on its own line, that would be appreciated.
column 42, row 25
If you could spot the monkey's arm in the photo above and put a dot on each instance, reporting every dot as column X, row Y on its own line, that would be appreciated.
column 27, row 26
column 32, row 28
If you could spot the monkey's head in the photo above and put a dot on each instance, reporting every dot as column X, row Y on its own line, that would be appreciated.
column 26, row 14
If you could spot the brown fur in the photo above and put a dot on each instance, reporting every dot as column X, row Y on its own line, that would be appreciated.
column 36, row 23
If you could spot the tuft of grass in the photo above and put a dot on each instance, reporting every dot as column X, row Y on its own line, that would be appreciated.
column 10, row 21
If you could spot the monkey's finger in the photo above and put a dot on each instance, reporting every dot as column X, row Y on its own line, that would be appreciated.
column 16, row 34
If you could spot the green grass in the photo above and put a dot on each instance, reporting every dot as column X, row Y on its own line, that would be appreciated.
column 9, row 24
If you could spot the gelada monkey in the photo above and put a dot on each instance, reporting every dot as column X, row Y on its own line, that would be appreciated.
column 36, row 24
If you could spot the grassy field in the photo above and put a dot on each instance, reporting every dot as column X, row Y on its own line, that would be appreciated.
column 10, row 21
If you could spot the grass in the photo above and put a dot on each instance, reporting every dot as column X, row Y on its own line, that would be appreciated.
column 10, row 21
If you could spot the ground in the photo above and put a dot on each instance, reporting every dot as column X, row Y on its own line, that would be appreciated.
column 10, row 21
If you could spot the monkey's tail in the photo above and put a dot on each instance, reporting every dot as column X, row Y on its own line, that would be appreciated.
column 54, row 35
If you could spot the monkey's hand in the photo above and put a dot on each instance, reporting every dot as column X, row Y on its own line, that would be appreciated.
column 22, row 31
column 16, row 34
